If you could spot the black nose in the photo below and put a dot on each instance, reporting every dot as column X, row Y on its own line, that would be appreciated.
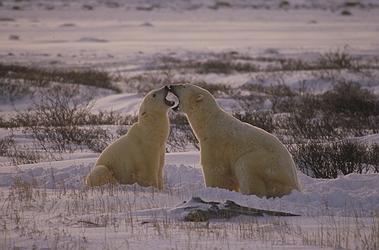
column 167, row 88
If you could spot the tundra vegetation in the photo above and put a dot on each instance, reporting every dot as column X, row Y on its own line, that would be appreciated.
column 322, row 107
column 330, row 100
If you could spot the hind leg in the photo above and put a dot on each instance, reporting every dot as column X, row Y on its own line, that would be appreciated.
column 250, row 181
column 100, row 175
column 220, row 177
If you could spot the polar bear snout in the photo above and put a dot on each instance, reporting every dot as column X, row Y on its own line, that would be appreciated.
column 175, row 90
column 162, row 94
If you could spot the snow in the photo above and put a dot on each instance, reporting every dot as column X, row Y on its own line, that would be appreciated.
column 46, row 205
column 123, row 103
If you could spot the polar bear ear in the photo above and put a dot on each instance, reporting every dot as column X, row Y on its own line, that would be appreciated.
column 199, row 97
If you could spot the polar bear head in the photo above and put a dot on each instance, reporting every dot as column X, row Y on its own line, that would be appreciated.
column 155, row 102
column 191, row 98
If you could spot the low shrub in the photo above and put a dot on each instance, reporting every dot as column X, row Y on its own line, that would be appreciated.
column 226, row 66
column 10, row 91
column 181, row 134
column 345, row 111
column 22, row 154
column 146, row 82
column 43, row 77
column 338, row 59
column 5, row 144
column 328, row 160
column 61, row 120
column 315, row 121
column 215, row 89
column 260, row 119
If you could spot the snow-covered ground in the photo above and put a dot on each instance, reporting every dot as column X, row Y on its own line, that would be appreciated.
column 46, row 205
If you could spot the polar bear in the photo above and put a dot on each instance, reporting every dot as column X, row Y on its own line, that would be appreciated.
column 235, row 155
column 138, row 156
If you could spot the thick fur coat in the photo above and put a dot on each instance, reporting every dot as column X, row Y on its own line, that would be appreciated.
column 235, row 155
column 138, row 156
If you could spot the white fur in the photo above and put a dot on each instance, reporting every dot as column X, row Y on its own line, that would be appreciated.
column 138, row 156
column 236, row 155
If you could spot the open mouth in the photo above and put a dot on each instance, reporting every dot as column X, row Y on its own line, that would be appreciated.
column 168, row 102
column 171, row 100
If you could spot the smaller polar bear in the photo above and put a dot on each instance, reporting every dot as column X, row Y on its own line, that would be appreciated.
column 138, row 156
column 235, row 155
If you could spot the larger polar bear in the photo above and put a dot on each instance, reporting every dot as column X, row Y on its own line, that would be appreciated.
column 235, row 155
column 138, row 156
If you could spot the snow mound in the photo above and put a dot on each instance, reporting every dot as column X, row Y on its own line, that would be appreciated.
column 350, row 195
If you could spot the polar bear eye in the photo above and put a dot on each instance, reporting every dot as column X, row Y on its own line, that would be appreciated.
column 154, row 95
